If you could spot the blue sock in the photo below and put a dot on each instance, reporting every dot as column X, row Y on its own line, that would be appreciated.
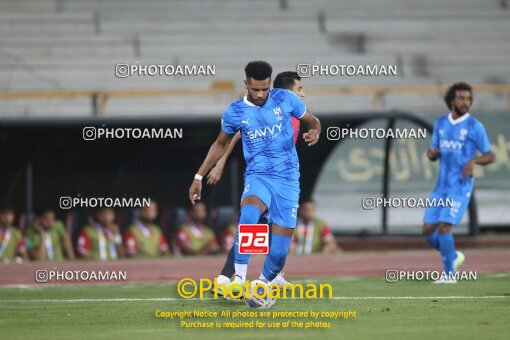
column 250, row 214
column 433, row 239
column 447, row 249
column 275, row 260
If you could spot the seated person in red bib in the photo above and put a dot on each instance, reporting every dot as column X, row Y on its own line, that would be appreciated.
column 47, row 239
column 144, row 238
column 194, row 237
column 101, row 240
column 228, row 236
column 12, row 244
column 312, row 235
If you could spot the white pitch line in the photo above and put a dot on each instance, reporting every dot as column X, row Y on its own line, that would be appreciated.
column 417, row 297
column 333, row 298
column 106, row 300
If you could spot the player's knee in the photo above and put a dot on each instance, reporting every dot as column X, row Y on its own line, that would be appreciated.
column 254, row 201
column 444, row 228
column 250, row 214
column 428, row 229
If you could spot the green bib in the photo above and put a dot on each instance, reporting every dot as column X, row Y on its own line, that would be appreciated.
column 56, row 235
column 95, row 245
column 148, row 246
column 8, row 247
column 312, row 242
column 198, row 242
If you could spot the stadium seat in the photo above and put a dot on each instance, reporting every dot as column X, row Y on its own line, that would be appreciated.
column 65, row 45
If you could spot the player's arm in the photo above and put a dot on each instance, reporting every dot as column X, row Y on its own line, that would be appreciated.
column 37, row 254
column 483, row 145
column 117, row 240
column 484, row 159
column 68, row 246
column 34, row 254
column 314, row 128
column 130, row 244
column 293, row 242
column 22, row 251
column 163, row 247
column 433, row 152
column 83, row 246
column 214, row 175
column 330, row 247
column 218, row 149
column 329, row 244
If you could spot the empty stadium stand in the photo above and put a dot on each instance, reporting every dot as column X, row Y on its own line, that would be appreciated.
column 56, row 46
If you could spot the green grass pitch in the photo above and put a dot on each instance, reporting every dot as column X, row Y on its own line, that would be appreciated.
column 410, row 310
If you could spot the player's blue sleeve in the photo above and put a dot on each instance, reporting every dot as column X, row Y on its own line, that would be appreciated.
column 482, row 140
column 298, row 107
column 228, row 124
column 435, row 135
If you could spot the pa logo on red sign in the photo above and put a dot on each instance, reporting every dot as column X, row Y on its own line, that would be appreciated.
column 253, row 239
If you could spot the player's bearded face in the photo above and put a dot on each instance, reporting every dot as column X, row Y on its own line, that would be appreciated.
column 307, row 211
column 462, row 102
column 6, row 218
column 298, row 89
column 199, row 213
column 149, row 214
column 258, row 90
column 47, row 220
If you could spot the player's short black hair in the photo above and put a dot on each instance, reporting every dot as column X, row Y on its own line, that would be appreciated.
column 452, row 91
column 306, row 200
column 6, row 207
column 285, row 80
column 152, row 200
column 39, row 211
column 258, row 70
column 189, row 206
column 99, row 210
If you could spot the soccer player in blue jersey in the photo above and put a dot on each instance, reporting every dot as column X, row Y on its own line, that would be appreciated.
column 455, row 139
column 263, row 117
column 288, row 80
